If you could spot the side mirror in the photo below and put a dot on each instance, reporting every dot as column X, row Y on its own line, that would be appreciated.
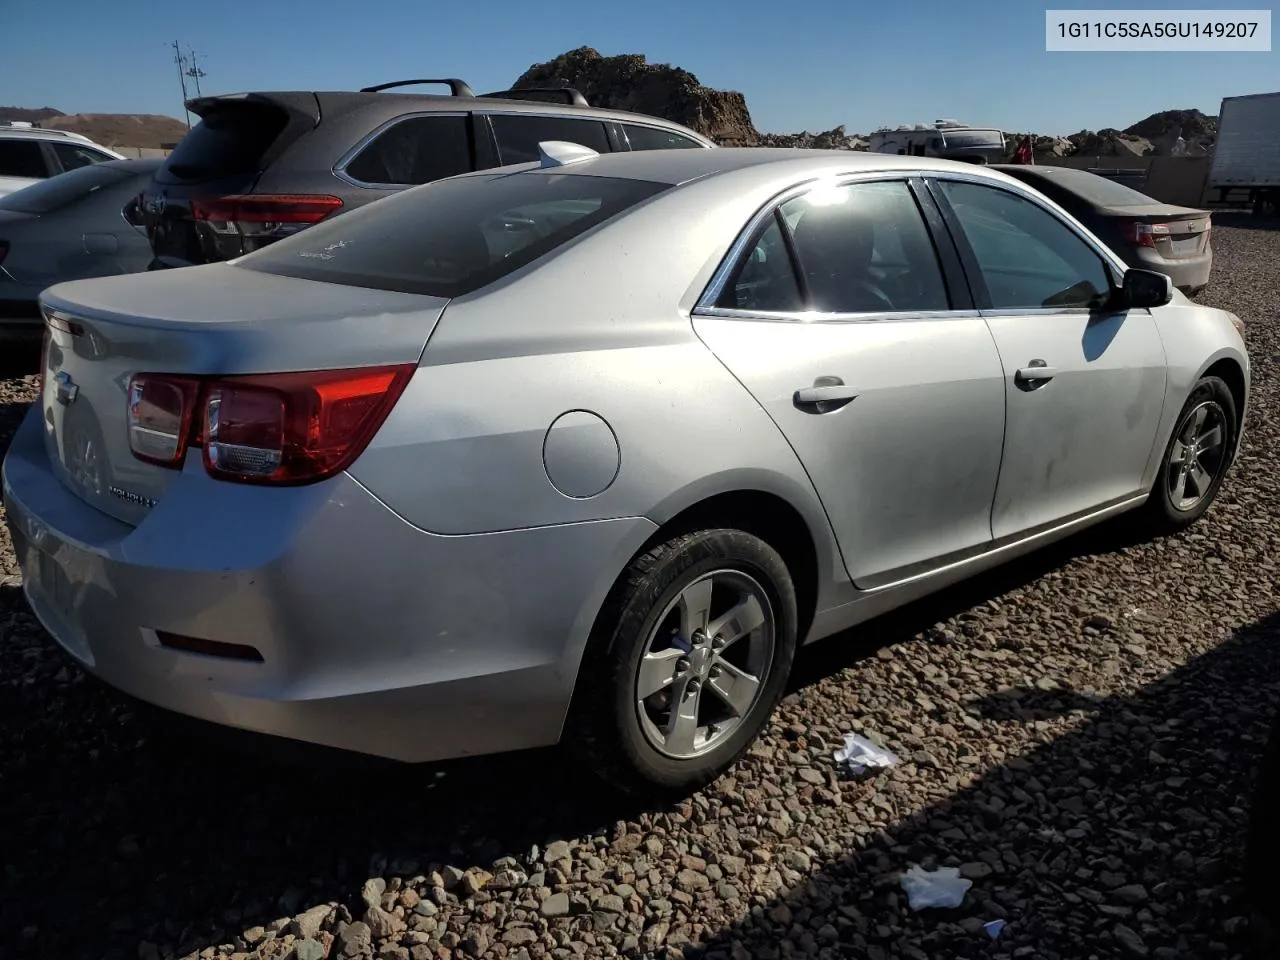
column 1144, row 289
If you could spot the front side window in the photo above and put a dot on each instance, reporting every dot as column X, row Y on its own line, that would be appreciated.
column 451, row 237
column 519, row 134
column 413, row 151
column 655, row 138
column 73, row 156
column 22, row 158
column 1028, row 258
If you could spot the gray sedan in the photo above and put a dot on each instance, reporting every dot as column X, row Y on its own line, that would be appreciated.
column 583, row 450
column 69, row 227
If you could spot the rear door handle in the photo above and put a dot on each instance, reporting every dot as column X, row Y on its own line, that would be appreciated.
column 826, row 394
column 1036, row 373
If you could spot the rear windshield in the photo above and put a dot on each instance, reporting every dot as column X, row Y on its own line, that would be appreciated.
column 230, row 140
column 1097, row 190
column 56, row 192
column 448, row 238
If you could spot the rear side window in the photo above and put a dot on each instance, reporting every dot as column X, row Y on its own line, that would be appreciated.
column 518, row 135
column 448, row 238
column 231, row 139
column 655, row 138
column 864, row 248
column 22, row 158
column 57, row 192
column 72, row 156
column 413, row 151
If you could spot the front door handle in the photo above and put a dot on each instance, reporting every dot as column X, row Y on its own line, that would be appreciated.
column 1035, row 374
column 826, row 394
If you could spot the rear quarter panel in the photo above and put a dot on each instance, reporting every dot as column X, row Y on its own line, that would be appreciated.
column 603, row 327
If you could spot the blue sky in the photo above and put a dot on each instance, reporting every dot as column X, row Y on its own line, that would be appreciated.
column 801, row 66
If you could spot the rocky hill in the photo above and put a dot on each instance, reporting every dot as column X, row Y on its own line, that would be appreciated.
column 108, row 129
column 630, row 82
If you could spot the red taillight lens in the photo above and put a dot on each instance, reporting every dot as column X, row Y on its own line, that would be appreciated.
column 252, row 215
column 1146, row 234
column 160, row 411
column 286, row 428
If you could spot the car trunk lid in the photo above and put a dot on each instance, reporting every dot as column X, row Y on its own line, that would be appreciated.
column 1176, row 233
column 202, row 321
column 190, row 208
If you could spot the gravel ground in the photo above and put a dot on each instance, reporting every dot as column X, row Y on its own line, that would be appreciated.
column 1078, row 735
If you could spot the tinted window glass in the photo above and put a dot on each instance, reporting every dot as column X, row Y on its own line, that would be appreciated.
column 654, row 138
column 22, row 158
column 1029, row 259
column 56, row 192
column 766, row 278
column 72, row 156
column 413, row 151
column 864, row 248
column 453, row 236
column 229, row 140
column 519, row 134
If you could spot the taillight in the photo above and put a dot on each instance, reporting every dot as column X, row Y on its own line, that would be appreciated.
column 252, row 215
column 288, row 428
column 160, row 411
column 1146, row 234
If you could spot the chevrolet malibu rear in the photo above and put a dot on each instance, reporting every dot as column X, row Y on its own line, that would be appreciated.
column 355, row 489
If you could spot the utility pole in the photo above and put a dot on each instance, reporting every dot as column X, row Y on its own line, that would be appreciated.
column 194, row 71
column 180, row 60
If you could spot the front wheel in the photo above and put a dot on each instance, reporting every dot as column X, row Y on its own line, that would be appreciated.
column 1195, row 460
column 687, row 661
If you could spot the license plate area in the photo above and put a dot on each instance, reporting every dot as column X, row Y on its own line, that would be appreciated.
column 1186, row 247
column 53, row 582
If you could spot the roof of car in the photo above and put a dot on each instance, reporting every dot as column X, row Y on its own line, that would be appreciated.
column 681, row 166
column 411, row 102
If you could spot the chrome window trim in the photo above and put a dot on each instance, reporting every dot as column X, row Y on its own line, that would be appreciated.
column 810, row 318
column 340, row 168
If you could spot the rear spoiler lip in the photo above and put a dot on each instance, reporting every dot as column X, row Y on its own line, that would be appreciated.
column 298, row 103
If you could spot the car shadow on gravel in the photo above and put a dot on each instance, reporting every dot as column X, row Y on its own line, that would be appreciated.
column 1136, row 819
column 152, row 834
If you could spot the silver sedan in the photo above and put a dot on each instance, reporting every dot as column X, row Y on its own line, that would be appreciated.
column 583, row 450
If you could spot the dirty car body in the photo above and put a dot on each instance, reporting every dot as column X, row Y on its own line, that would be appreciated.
column 589, row 455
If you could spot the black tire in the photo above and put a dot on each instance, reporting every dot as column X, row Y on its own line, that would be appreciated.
column 1160, row 514
column 605, row 726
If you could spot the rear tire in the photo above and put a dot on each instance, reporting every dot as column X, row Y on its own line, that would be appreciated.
column 1195, row 460
column 659, row 712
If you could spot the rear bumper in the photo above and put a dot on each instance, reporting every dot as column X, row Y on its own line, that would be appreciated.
column 1188, row 275
column 375, row 637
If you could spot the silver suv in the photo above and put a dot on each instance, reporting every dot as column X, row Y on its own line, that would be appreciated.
column 29, row 154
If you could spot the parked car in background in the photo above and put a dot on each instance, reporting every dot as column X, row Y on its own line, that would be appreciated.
column 583, row 449
column 1148, row 234
column 261, row 166
column 68, row 227
column 29, row 154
